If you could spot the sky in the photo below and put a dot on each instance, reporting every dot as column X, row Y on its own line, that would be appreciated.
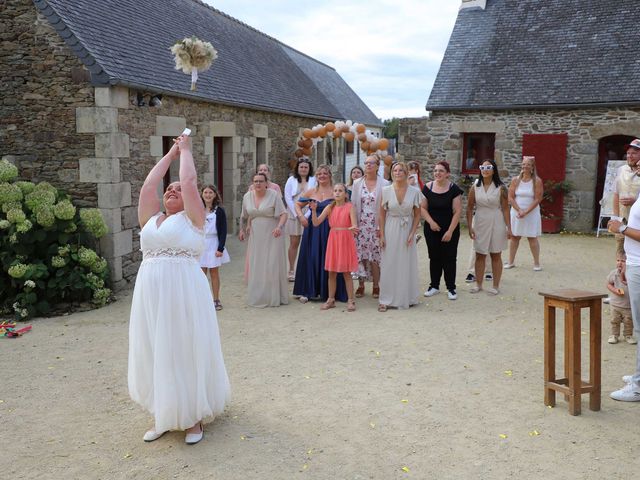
column 388, row 51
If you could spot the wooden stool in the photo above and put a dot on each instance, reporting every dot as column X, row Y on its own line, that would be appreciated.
column 572, row 301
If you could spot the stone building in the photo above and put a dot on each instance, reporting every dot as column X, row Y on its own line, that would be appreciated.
column 559, row 79
column 81, row 80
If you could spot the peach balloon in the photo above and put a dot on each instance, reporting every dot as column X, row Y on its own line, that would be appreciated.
column 388, row 160
column 330, row 126
column 298, row 153
column 365, row 146
column 349, row 136
column 383, row 144
column 362, row 137
column 337, row 133
column 306, row 151
column 307, row 143
column 307, row 133
column 360, row 128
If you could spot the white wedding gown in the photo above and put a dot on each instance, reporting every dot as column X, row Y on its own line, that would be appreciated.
column 176, row 369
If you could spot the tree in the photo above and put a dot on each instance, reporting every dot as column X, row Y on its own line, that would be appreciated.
column 390, row 129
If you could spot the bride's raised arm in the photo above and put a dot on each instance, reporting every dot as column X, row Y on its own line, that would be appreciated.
column 189, row 183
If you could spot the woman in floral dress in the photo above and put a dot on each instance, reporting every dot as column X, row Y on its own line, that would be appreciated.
column 365, row 196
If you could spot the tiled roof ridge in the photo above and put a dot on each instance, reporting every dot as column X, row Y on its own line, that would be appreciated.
column 246, row 25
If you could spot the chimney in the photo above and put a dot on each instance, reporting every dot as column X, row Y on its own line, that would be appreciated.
column 473, row 4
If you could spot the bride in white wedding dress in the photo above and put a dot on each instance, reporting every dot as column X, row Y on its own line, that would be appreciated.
column 176, row 368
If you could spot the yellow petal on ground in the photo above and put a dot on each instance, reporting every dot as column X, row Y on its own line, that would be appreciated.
column 405, row 469
column 534, row 433
column 307, row 376
column 404, row 400
column 549, row 406
column 508, row 373
column 310, row 451
column 502, row 435
column 377, row 354
column 305, row 466
column 372, row 425
column 583, row 332
column 128, row 455
column 242, row 437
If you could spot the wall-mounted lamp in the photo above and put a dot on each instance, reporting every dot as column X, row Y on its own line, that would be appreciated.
column 154, row 100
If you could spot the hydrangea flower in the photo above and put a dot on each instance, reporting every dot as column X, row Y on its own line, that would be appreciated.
column 26, row 187
column 30, row 284
column 87, row 257
column 24, row 227
column 16, row 215
column 72, row 227
column 10, row 206
column 13, row 238
column 99, row 266
column 94, row 281
column 64, row 210
column 18, row 270
column 39, row 197
column 58, row 262
column 10, row 193
column 4, row 224
column 8, row 171
column 93, row 222
column 101, row 295
column 64, row 250
column 45, row 216
column 24, row 313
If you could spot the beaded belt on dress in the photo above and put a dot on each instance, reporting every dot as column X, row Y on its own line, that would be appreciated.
column 169, row 253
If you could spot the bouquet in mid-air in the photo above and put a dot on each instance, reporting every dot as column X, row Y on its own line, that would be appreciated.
column 193, row 55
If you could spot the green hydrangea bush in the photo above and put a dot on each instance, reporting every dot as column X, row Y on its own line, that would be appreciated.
column 46, row 259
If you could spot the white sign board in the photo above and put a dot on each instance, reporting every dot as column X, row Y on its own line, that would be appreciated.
column 606, row 204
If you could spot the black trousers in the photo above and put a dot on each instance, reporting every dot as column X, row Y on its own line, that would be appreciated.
column 442, row 256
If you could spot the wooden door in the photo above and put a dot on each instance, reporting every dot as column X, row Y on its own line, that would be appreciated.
column 550, row 151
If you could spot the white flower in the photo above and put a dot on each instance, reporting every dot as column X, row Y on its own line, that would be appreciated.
column 30, row 284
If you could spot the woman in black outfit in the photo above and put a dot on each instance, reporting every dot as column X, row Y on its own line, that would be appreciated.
column 441, row 212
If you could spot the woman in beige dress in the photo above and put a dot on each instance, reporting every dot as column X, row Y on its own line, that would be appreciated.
column 491, row 227
column 399, row 220
column 267, row 277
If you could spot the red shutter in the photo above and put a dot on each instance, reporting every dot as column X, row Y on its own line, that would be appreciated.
column 550, row 151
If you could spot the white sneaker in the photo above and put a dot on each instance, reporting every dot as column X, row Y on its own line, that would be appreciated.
column 508, row 265
column 493, row 291
column 452, row 295
column 431, row 292
column 475, row 289
column 627, row 379
column 606, row 300
column 612, row 339
column 631, row 340
column 537, row 268
column 628, row 393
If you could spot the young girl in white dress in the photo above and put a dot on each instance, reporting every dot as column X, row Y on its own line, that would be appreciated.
column 215, row 231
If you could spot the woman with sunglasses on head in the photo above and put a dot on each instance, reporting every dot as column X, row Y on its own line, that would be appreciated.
column 301, row 181
column 491, row 227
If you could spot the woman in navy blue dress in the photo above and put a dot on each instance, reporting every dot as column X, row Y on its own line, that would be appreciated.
column 312, row 279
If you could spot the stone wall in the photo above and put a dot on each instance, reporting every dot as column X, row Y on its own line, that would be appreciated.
column 439, row 137
column 42, row 84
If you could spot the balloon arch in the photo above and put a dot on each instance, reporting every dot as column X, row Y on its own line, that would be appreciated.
column 348, row 130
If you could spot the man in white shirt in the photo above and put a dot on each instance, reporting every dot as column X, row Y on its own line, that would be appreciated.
column 631, row 232
column 627, row 187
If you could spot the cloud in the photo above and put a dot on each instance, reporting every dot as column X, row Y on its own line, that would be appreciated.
column 388, row 51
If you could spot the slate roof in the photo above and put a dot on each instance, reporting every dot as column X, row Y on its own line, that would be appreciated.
column 525, row 53
column 127, row 42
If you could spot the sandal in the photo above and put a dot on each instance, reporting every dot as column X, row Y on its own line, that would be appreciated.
column 382, row 308
column 303, row 299
column 351, row 305
column 376, row 292
column 291, row 276
column 218, row 305
column 330, row 303
column 360, row 291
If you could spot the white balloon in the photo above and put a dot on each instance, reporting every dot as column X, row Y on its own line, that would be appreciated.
column 384, row 152
column 349, row 123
